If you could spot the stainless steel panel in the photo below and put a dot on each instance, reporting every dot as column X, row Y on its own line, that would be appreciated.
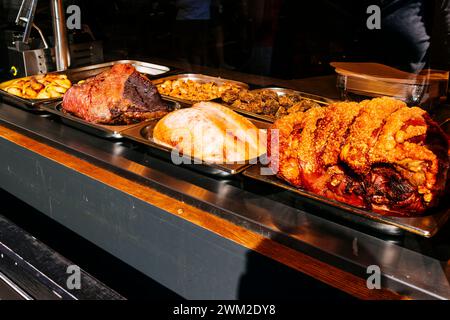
column 10, row 291
column 34, row 271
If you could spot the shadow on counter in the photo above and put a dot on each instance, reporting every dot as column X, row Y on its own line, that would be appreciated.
column 131, row 283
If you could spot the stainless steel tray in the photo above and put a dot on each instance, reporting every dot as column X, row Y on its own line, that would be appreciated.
column 280, row 92
column 102, row 130
column 199, row 78
column 78, row 74
column 29, row 104
column 426, row 225
column 143, row 134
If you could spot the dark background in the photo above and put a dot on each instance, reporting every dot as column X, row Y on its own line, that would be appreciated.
column 281, row 38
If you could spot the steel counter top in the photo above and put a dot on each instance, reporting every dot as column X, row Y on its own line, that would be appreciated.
column 163, row 219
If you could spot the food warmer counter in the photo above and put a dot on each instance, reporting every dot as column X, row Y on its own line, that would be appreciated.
column 204, row 236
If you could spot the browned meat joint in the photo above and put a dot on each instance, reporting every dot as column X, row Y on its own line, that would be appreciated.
column 120, row 95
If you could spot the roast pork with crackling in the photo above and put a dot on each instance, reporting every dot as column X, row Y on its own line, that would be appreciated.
column 379, row 154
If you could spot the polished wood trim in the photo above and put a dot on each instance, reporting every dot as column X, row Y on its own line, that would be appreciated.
column 310, row 266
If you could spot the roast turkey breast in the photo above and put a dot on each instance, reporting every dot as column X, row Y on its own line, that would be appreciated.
column 212, row 133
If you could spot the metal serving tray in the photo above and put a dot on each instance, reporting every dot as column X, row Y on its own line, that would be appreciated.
column 426, row 226
column 82, row 73
column 143, row 134
column 102, row 130
column 198, row 78
column 27, row 104
column 280, row 92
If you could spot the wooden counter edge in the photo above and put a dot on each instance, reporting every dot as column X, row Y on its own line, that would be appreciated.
column 317, row 269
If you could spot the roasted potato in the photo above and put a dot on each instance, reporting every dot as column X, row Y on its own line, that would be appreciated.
column 38, row 87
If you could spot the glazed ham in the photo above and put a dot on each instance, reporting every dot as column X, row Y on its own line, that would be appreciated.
column 378, row 154
column 120, row 95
